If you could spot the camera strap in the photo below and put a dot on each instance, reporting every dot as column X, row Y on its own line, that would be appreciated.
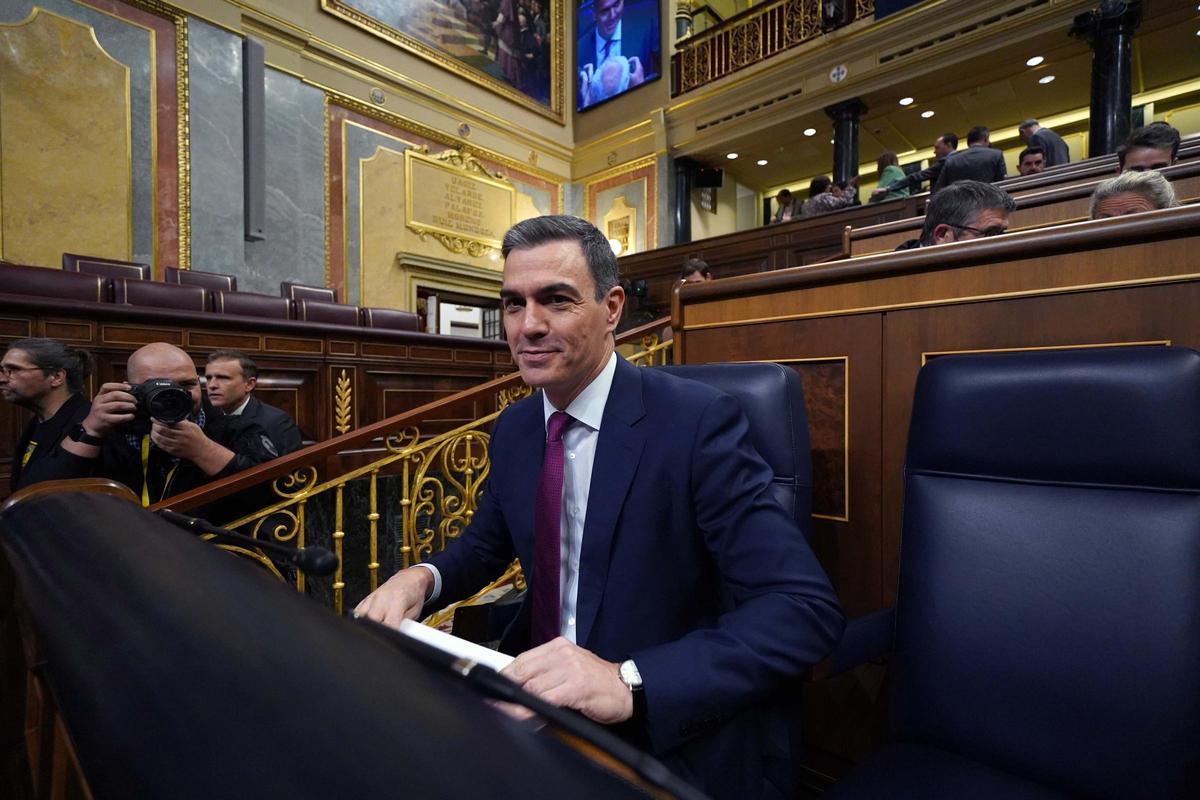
column 146, row 474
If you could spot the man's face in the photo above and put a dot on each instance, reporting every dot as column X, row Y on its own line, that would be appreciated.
column 558, row 332
column 784, row 200
column 1032, row 164
column 24, row 384
column 989, row 222
column 1140, row 159
column 1026, row 134
column 1121, row 204
column 940, row 148
column 227, row 386
column 695, row 277
column 177, row 367
column 608, row 14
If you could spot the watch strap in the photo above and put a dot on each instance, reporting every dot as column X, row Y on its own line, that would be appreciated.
column 79, row 434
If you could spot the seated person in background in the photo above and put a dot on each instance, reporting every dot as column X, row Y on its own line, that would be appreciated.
column 229, row 379
column 979, row 162
column 789, row 206
column 966, row 210
column 695, row 270
column 1132, row 193
column 46, row 377
column 1031, row 161
column 1050, row 143
column 822, row 198
column 1152, row 146
column 891, row 178
column 157, row 459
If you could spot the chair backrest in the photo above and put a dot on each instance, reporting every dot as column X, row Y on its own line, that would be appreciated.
column 390, row 319
column 1048, row 615
column 43, row 282
column 311, row 310
column 105, row 267
column 161, row 295
column 772, row 398
column 296, row 291
column 213, row 281
column 251, row 304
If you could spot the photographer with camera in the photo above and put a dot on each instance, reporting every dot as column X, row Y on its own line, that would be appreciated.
column 155, row 433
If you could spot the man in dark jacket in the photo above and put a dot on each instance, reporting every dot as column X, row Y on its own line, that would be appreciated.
column 943, row 146
column 230, row 378
column 979, row 162
column 1050, row 143
column 46, row 377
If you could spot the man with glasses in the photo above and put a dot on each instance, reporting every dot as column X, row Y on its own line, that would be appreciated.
column 157, row 459
column 46, row 377
column 965, row 210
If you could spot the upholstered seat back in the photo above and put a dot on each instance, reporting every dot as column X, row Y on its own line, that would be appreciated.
column 251, row 304
column 296, row 291
column 772, row 398
column 1048, row 616
column 213, row 281
column 43, row 282
column 311, row 310
column 106, row 267
column 389, row 318
column 161, row 295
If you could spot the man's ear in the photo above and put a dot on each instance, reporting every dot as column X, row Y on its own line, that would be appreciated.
column 251, row 383
column 58, row 378
column 943, row 234
column 614, row 301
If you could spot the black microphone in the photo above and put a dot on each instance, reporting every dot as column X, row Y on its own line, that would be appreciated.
column 309, row 560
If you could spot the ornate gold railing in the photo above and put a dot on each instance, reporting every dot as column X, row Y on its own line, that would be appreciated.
column 426, row 487
column 750, row 37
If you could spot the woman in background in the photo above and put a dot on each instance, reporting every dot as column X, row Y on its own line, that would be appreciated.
column 889, row 173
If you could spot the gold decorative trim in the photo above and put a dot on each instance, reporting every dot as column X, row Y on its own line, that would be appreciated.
column 453, row 160
column 925, row 355
column 620, row 169
column 342, row 404
column 506, row 397
column 184, row 136
column 328, row 158
column 554, row 111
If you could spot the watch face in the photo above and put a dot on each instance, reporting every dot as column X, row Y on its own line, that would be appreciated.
column 630, row 674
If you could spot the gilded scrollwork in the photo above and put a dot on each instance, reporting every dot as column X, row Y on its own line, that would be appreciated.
column 279, row 526
column 506, row 397
column 402, row 440
column 295, row 484
column 456, row 244
column 441, row 501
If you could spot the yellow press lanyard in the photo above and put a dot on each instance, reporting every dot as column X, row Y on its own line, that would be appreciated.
column 146, row 474
column 28, row 454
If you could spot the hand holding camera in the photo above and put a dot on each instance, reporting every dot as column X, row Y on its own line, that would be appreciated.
column 135, row 405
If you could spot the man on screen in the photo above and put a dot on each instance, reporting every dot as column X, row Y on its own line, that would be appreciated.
column 617, row 51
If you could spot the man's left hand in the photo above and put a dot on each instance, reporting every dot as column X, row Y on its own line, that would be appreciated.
column 184, row 439
column 564, row 674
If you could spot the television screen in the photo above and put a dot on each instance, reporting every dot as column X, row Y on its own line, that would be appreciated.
column 618, row 49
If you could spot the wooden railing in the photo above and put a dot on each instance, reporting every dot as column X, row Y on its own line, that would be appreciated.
column 750, row 37
column 388, row 495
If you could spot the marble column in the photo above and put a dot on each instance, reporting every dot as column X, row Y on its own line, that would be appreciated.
column 1109, row 30
column 682, row 207
column 845, row 137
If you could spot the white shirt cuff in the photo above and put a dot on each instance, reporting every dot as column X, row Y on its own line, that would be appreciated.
column 437, row 582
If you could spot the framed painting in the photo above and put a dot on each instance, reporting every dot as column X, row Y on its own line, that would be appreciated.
column 512, row 47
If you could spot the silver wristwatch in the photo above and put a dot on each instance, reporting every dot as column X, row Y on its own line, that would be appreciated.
column 630, row 676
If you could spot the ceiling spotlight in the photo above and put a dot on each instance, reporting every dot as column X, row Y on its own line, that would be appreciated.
column 831, row 141
column 1033, row 62
column 762, row 162
column 731, row 156
column 926, row 114
column 906, row 101
column 810, row 131
column 1046, row 79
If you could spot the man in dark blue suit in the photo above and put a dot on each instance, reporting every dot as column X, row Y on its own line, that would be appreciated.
column 616, row 35
column 681, row 597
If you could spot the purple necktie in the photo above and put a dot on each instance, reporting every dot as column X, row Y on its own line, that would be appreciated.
column 547, row 536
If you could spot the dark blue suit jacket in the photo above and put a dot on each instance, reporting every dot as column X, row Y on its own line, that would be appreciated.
column 688, row 566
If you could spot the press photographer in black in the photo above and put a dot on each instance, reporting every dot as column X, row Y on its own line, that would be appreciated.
column 157, row 434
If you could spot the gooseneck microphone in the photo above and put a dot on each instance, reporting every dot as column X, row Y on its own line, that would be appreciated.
column 309, row 560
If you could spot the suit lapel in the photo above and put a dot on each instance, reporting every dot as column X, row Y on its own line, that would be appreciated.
column 617, row 454
column 524, row 458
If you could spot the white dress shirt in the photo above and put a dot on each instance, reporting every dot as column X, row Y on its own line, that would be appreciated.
column 615, row 50
column 579, row 453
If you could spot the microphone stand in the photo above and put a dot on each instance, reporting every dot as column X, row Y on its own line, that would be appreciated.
column 309, row 560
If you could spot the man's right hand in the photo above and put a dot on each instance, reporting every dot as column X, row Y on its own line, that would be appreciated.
column 401, row 598
column 112, row 407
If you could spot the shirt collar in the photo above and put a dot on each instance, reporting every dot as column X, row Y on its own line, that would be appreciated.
column 237, row 411
column 588, row 406
column 600, row 40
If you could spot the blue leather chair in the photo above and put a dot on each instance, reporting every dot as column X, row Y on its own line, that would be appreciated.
column 1046, row 637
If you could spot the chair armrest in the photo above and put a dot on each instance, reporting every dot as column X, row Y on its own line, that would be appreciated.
column 867, row 638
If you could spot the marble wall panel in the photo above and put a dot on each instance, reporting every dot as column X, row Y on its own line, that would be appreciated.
column 294, row 248
column 361, row 144
column 215, row 92
column 573, row 194
column 133, row 46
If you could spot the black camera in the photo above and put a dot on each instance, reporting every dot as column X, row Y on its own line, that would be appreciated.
column 162, row 399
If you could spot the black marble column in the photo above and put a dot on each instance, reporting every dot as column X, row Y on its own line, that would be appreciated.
column 1109, row 30
column 845, row 137
column 682, row 207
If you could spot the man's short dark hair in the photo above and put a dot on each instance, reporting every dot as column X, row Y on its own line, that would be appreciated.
column 977, row 134
column 1030, row 151
column 536, row 231
column 51, row 355
column 693, row 265
column 783, row 194
column 249, row 368
column 1029, row 123
column 819, row 185
column 960, row 203
column 1155, row 136
column 951, row 140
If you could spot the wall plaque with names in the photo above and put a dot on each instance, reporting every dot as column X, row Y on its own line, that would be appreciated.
column 457, row 200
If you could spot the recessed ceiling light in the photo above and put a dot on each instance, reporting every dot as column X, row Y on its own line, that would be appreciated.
column 731, row 156
column 762, row 162
column 906, row 101
column 831, row 141
column 1033, row 62
column 810, row 131
column 1046, row 79
column 926, row 114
